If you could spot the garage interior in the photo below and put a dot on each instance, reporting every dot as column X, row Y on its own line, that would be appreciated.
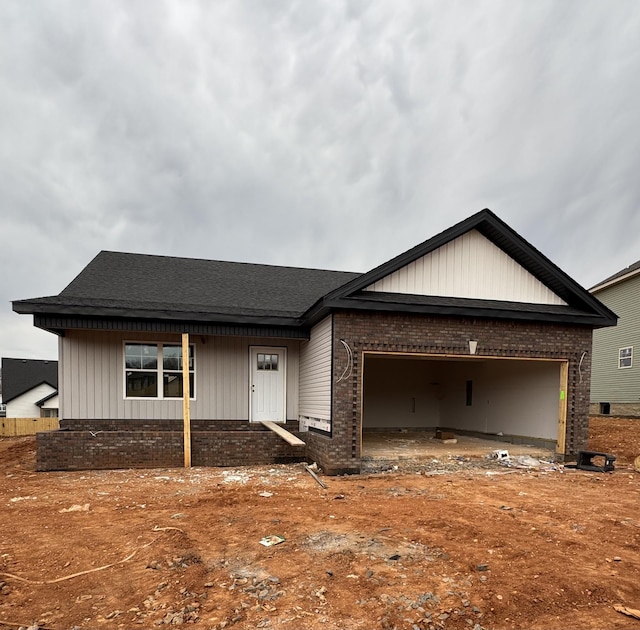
column 487, row 403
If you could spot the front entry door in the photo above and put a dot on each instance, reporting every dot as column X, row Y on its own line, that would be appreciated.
column 267, row 388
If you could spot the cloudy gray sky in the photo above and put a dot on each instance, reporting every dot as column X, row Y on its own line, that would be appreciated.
column 332, row 134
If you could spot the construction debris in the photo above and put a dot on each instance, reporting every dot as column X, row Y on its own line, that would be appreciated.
column 585, row 462
column 630, row 612
column 313, row 474
column 270, row 541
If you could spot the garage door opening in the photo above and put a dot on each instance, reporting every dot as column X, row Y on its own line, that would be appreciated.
column 509, row 400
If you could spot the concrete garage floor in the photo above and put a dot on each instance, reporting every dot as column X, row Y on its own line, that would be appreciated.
column 421, row 445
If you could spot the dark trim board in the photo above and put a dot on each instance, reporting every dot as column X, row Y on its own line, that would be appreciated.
column 58, row 324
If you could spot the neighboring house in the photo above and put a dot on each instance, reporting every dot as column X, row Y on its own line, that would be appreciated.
column 473, row 330
column 30, row 388
column 615, row 371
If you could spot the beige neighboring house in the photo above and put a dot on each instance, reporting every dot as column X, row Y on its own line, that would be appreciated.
column 615, row 372
column 30, row 388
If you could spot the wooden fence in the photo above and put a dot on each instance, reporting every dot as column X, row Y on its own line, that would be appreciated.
column 11, row 427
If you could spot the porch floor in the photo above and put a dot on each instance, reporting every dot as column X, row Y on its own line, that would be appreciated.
column 421, row 445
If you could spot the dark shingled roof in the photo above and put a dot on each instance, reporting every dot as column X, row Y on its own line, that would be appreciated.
column 113, row 283
column 21, row 375
column 117, row 287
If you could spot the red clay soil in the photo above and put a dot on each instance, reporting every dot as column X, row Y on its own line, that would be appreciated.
column 470, row 544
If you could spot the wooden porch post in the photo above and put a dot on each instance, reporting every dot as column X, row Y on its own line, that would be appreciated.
column 562, row 410
column 186, row 394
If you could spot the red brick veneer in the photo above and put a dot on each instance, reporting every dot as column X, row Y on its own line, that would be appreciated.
column 391, row 332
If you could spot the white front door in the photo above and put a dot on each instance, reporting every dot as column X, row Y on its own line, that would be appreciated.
column 267, row 388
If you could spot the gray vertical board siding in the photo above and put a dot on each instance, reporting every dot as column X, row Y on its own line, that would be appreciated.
column 470, row 266
column 92, row 377
column 315, row 372
column 230, row 373
column 608, row 382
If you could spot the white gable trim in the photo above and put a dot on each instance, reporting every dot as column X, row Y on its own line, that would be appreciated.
column 52, row 403
column 470, row 266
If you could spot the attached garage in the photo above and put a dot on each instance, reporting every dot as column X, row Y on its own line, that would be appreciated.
column 518, row 400
column 473, row 330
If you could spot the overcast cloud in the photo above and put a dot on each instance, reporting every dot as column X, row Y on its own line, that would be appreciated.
column 318, row 134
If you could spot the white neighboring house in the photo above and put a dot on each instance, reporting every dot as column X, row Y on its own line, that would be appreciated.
column 30, row 404
column 30, row 388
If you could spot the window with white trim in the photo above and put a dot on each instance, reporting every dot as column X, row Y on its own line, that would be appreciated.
column 154, row 370
column 625, row 357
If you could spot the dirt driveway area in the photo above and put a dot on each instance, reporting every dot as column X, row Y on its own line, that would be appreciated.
column 449, row 544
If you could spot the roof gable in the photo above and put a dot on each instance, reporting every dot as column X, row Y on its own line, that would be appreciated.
column 576, row 306
column 469, row 266
column 22, row 375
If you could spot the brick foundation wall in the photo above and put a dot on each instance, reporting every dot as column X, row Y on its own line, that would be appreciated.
column 157, row 424
column 330, row 454
column 109, row 444
column 392, row 332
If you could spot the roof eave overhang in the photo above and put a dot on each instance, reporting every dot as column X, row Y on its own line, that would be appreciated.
column 613, row 281
column 41, row 402
column 61, row 325
column 267, row 319
column 59, row 318
column 478, row 312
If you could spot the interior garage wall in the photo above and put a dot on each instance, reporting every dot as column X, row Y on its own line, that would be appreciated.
column 512, row 397
column 400, row 392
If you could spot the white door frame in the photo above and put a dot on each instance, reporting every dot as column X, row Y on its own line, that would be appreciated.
column 281, row 386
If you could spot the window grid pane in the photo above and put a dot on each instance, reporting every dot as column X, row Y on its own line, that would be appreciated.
column 625, row 357
column 143, row 371
column 142, row 384
column 172, row 385
column 141, row 356
column 267, row 362
column 172, row 357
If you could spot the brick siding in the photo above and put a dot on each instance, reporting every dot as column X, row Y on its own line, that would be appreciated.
column 392, row 332
column 107, row 444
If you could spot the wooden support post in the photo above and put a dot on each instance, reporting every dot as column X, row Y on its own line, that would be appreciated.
column 186, row 395
column 562, row 408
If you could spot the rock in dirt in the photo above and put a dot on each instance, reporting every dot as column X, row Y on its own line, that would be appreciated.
column 75, row 508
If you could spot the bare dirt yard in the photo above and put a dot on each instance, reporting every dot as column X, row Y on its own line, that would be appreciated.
column 449, row 544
